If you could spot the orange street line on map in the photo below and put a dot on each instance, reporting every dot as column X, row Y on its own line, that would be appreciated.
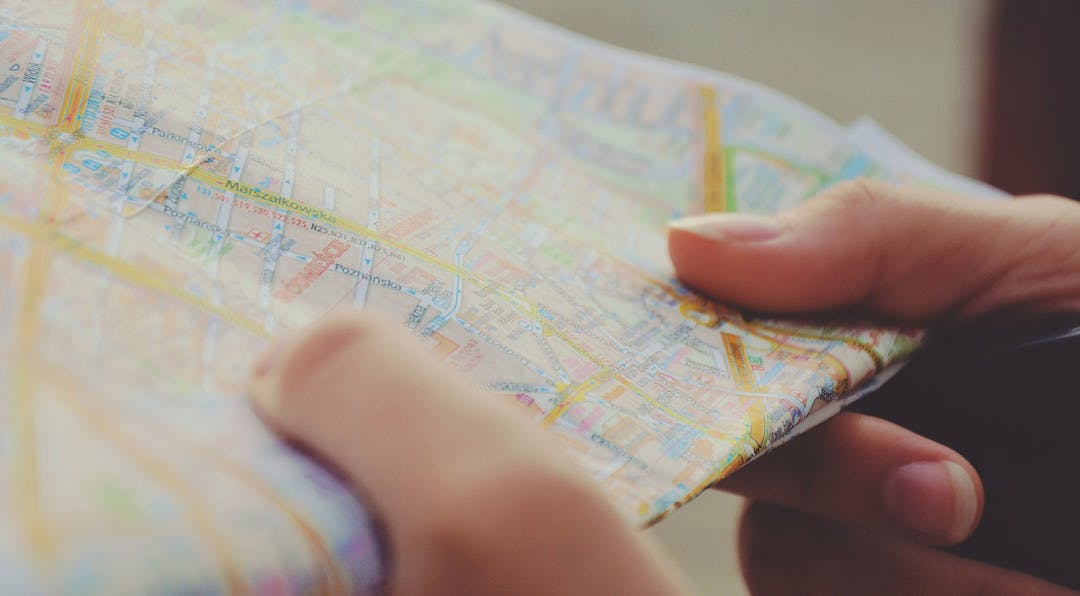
column 123, row 153
column 25, row 128
column 35, row 270
column 739, row 363
column 713, row 174
column 82, row 74
column 56, row 191
column 27, row 497
column 756, row 416
column 578, row 395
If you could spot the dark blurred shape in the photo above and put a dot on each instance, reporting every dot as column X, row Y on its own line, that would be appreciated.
column 1014, row 413
column 1031, row 125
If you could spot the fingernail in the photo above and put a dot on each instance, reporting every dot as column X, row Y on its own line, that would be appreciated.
column 730, row 227
column 934, row 498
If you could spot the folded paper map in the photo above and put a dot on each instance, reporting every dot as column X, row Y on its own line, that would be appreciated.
column 179, row 181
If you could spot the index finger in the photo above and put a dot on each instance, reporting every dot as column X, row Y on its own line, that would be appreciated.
column 869, row 473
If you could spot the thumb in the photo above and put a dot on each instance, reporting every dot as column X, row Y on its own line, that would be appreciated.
column 904, row 252
column 471, row 494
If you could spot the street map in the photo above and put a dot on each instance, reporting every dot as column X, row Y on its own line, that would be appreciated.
column 180, row 181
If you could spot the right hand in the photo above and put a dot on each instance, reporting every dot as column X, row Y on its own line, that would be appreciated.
column 856, row 505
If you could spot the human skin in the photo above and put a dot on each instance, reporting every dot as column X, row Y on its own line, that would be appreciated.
column 478, row 500
column 871, row 503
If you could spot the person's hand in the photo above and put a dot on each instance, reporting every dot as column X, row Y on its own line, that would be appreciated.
column 475, row 499
column 856, row 505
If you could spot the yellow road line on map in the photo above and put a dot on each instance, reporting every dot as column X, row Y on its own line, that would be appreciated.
column 134, row 274
column 36, row 269
column 56, row 191
column 27, row 497
column 128, row 272
column 26, row 127
column 739, row 363
column 123, row 153
column 76, row 96
column 756, row 417
column 713, row 182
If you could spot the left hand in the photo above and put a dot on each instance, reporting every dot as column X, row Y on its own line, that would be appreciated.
column 475, row 498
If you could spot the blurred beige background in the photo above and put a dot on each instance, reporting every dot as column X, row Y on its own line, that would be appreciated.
column 913, row 65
